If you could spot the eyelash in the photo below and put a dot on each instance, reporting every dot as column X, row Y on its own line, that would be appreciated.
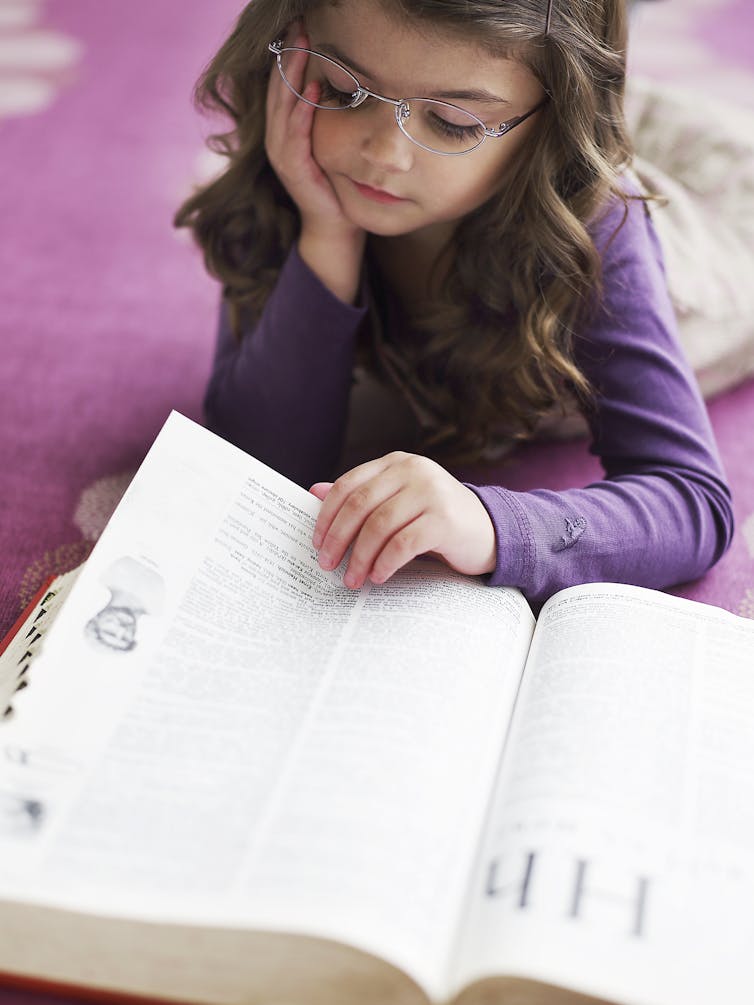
column 441, row 125
column 450, row 129
column 328, row 91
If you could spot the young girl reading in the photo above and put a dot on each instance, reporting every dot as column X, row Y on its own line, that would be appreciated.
column 433, row 199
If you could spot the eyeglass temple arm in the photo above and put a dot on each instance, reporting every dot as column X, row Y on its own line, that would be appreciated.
column 548, row 17
column 505, row 127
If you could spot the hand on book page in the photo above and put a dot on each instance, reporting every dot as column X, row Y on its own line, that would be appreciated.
column 392, row 509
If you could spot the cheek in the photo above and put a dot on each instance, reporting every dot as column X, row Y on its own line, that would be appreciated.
column 465, row 187
column 329, row 137
column 489, row 172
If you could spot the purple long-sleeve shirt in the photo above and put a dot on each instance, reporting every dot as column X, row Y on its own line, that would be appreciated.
column 662, row 514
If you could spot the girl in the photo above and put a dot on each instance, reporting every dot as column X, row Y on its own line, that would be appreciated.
column 428, row 212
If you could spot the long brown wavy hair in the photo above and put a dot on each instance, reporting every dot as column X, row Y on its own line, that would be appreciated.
column 494, row 353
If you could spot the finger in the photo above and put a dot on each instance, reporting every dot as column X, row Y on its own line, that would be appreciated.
column 378, row 530
column 302, row 115
column 288, row 133
column 280, row 98
column 295, row 33
column 341, row 489
column 353, row 506
column 320, row 489
column 350, row 518
column 415, row 538
column 295, row 67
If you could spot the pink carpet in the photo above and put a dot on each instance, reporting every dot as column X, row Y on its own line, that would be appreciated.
column 106, row 316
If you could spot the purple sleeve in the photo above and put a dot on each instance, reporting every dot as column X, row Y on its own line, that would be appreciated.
column 663, row 514
column 282, row 393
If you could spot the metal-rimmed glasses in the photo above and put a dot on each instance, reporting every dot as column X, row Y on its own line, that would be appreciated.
column 437, row 126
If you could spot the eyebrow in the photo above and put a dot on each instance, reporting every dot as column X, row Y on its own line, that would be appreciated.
column 473, row 94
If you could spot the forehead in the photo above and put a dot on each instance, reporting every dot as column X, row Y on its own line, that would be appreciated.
column 411, row 55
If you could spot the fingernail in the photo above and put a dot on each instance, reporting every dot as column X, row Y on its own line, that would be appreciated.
column 317, row 539
column 326, row 561
column 350, row 580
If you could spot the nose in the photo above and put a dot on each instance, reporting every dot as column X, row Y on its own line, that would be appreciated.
column 384, row 145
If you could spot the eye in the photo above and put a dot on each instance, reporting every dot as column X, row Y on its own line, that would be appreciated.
column 331, row 95
column 454, row 130
column 336, row 85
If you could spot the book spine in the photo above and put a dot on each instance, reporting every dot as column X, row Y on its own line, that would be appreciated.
column 17, row 647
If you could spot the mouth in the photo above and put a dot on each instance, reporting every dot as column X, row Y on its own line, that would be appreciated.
column 376, row 194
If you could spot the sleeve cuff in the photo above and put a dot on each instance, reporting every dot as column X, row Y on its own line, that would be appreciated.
column 515, row 545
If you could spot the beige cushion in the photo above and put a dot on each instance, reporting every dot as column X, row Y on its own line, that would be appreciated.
column 700, row 154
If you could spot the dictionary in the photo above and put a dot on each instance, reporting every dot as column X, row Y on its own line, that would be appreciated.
column 230, row 779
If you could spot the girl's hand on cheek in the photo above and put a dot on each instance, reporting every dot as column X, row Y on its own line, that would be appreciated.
column 288, row 143
column 395, row 508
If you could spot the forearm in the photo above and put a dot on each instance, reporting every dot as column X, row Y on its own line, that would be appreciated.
column 282, row 394
column 663, row 513
column 651, row 529
column 336, row 263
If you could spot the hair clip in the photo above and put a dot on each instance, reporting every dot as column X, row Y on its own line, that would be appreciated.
column 549, row 15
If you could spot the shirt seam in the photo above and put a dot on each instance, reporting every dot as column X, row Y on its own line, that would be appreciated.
column 525, row 530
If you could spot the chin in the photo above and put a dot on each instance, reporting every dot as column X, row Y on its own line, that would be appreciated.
column 381, row 223
column 388, row 231
column 385, row 221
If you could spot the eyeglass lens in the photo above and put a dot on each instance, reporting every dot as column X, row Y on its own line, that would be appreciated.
column 436, row 125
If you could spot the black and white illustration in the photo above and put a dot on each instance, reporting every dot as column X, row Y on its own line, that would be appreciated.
column 136, row 589
column 20, row 815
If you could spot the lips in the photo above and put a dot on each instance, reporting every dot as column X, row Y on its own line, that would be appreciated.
column 376, row 194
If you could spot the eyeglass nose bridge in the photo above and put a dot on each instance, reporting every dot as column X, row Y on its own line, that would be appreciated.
column 402, row 108
column 362, row 93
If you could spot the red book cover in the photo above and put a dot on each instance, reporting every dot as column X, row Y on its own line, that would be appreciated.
column 36, row 599
column 70, row 992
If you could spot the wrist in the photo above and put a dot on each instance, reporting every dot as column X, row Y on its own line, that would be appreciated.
column 483, row 540
column 334, row 255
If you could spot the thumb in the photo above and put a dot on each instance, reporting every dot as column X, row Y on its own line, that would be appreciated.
column 320, row 489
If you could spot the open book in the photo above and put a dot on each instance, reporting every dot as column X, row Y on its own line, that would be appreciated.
column 231, row 779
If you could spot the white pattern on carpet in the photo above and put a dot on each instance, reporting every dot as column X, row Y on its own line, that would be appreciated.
column 34, row 62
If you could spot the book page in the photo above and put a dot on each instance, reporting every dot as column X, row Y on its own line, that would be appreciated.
column 218, row 731
column 618, row 859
